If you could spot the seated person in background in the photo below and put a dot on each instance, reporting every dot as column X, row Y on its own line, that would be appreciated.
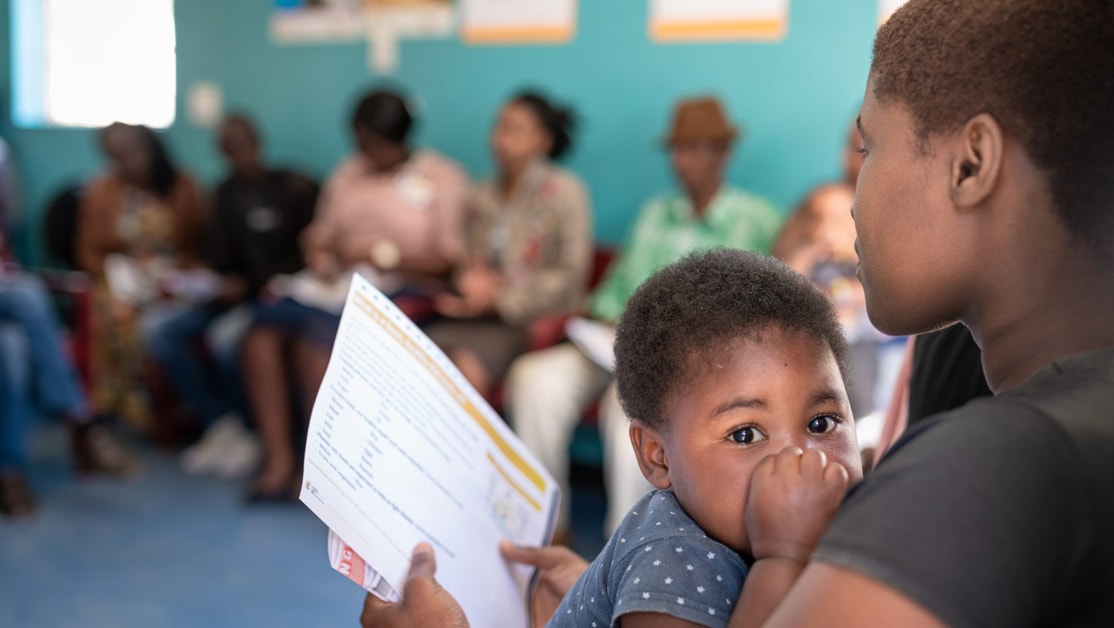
column 391, row 212
column 529, row 244
column 36, row 377
column 818, row 241
column 734, row 367
column 258, row 215
column 138, row 226
column 549, row 390
column 820, row 229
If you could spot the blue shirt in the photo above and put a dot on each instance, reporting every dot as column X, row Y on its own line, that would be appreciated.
column 658, row 561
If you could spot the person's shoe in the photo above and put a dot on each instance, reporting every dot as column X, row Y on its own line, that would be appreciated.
column 240, row 455
column 270, row 492
column 96, row 450
column 204, row 456
column 16, row 499
column 282, row 496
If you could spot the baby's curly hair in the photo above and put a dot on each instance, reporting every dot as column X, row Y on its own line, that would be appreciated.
column 1042, row 68
column 700, row 304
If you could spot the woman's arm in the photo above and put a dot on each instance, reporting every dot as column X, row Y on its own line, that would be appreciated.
column 95, row 225
column 191, row 217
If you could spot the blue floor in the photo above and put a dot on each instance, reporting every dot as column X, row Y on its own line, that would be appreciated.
column 166, row 549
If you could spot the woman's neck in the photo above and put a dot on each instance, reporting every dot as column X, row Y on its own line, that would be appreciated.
column 511, row 178
column 1041, row 320
column 395, row 164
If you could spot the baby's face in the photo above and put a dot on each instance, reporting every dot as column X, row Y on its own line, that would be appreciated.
column 751, row 399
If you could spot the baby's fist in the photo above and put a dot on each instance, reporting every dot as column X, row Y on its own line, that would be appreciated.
column 793, row 496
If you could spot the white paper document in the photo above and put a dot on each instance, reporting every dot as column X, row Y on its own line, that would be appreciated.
column 402, row 450
column 595, row 339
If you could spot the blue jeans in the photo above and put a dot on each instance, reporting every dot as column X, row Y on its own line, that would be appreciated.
column 203, row 370
column 32, row 364
column 15, row 399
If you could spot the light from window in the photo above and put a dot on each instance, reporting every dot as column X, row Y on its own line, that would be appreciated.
column 82, row 63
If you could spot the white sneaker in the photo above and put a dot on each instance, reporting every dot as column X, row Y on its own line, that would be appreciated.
column 240, row 455
column 204, row 456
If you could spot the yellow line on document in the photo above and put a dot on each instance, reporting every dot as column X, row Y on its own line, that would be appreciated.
column 518, row 461
column 532, row 474
column 514, row 485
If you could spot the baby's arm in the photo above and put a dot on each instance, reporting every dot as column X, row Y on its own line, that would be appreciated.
column 793, row 496
column 655, row 620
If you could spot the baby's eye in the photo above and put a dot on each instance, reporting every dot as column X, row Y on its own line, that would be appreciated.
column 822, row 424
column 747, row 435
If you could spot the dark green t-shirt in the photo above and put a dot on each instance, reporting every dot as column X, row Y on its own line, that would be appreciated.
column 1000, row 513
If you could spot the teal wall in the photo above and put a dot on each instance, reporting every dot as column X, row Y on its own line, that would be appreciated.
column 794, row 98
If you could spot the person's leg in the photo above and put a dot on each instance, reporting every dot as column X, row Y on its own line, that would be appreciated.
column 15, row 411
column 547, row 392
column 472, row 368
column 482, row 349
column 264, row 369
column 225, row 339
column 16, row 498
column 622, row 476
column 228, row 449
column 25, row 301
column 312, row 359
column 182, row 345
column 174, row 341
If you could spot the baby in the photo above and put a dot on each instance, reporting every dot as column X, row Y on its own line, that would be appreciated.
column 722, row 359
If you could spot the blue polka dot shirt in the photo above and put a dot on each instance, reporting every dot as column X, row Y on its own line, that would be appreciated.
column 658, row 561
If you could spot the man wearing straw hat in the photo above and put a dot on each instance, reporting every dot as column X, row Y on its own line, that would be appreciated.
column 549, row 390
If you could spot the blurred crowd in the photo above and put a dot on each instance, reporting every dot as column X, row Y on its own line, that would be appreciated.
column 209, row 315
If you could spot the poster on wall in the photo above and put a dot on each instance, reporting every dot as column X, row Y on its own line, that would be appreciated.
column 308, row 21
column 518, row 21
column 718, row 20
column 411, row 18
column 886, row 8
column 383, row 23
column 298, row 21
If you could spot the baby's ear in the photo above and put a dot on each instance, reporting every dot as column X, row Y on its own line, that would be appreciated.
column 649, row 448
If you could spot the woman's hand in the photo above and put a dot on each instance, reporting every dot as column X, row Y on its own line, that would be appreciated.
column 424, row 602
column 122, row 312
column 317, row 253
column 479, row 287
column 558, row 570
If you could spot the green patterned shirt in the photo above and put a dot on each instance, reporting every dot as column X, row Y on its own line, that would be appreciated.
column 667, row 229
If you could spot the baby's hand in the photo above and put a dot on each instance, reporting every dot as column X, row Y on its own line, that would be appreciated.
column 793, row 496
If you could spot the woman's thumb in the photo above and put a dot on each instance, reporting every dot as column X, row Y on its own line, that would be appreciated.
column 423, row 564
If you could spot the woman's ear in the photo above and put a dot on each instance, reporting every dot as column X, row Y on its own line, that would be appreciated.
column 977, row 161
column 649, row 448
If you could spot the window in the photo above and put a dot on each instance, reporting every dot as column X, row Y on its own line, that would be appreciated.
column 90, row 63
